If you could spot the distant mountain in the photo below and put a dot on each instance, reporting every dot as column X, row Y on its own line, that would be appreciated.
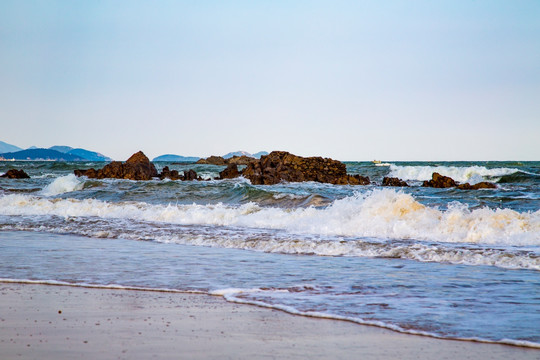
column 259, row 154
column 88, row 155
column 61, row 148
column 5, row 147
column 41, row 154
column 236, row 153
column 176, row 158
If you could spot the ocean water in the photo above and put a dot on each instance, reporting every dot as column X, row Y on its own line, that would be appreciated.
column 448, row 263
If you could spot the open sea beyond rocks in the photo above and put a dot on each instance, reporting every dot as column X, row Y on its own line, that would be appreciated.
column 447, row 263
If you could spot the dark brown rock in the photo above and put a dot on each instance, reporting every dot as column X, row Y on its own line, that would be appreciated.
column 480, row 185
column 213, row 160
column 393, row 181
column 190, row 175
column 230, row 172
column 16, row 174
column 283, row 166
column 439, row 181
column 240, row 160
column 166, row 173
column 137, row 167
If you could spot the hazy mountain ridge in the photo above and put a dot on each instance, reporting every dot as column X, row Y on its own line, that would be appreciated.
column 41, row 154
column 5, row 147
column 176, row 158
column 54, row 153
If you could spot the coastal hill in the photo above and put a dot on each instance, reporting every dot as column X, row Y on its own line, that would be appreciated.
column 194, row 159
column 5, row 147
column 176, row 158
column 54, row 153
column 40, row 154
column 83, row 153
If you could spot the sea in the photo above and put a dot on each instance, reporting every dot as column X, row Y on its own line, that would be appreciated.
column 445, row 263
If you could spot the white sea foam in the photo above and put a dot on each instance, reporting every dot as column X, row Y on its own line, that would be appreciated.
column 471, row 174
column 62, row 185
column 382, row 214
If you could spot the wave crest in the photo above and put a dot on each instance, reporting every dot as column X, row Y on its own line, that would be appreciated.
column 381, row 214
column 471, row 174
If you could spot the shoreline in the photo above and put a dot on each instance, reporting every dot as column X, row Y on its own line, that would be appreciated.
column 64, row 322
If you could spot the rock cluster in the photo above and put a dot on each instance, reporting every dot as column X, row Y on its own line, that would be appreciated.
column 137, row 167
column 16, row 174
column 440, row 181
column 174, row 175
column 283, row 166
column 393, row 181
column 218, row 160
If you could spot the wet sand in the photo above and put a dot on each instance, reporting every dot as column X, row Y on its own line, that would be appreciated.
column 62, row 322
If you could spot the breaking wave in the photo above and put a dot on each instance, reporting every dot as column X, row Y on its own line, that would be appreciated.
column 62, row 185
column 471, row 174
column 380, row 214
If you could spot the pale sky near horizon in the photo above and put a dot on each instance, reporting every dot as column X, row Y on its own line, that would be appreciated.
column 351, row 80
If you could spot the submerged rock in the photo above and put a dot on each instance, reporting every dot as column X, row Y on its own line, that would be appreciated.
column 440, row 181
column 16, row 174
column 480, row 185
column 393, row 181
column 283, row 166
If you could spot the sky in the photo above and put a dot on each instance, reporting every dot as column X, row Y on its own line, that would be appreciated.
column 350, row 80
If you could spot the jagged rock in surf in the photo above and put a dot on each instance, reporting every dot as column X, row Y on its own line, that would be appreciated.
column 230, row 172
column 439, row 181
column 137, row 167
column 16, row 174
column 166, row 173
column 393, row 181
column 283, row 166
column 190, row 175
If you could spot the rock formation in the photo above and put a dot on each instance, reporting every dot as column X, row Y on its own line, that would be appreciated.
column 166, row 173
column 16, row 174
column 440, row 181
column 137, row 167
column 393, row 181
column 480, row 185
column 240, row 160
column 189, row 175
column 218, row 160
column 230, row 172
column 282, row 166
column 213, row 160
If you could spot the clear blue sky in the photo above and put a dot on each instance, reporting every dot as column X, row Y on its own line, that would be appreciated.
column 352, row 80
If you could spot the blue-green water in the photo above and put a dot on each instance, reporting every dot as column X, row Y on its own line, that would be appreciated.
column 443, row 262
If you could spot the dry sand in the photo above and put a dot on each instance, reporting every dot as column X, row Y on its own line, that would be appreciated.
column 59, row 322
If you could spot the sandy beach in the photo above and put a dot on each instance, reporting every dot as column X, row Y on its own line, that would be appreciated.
column 62, row 322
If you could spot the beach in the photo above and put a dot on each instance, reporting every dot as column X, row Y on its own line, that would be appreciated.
column 65, row 322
